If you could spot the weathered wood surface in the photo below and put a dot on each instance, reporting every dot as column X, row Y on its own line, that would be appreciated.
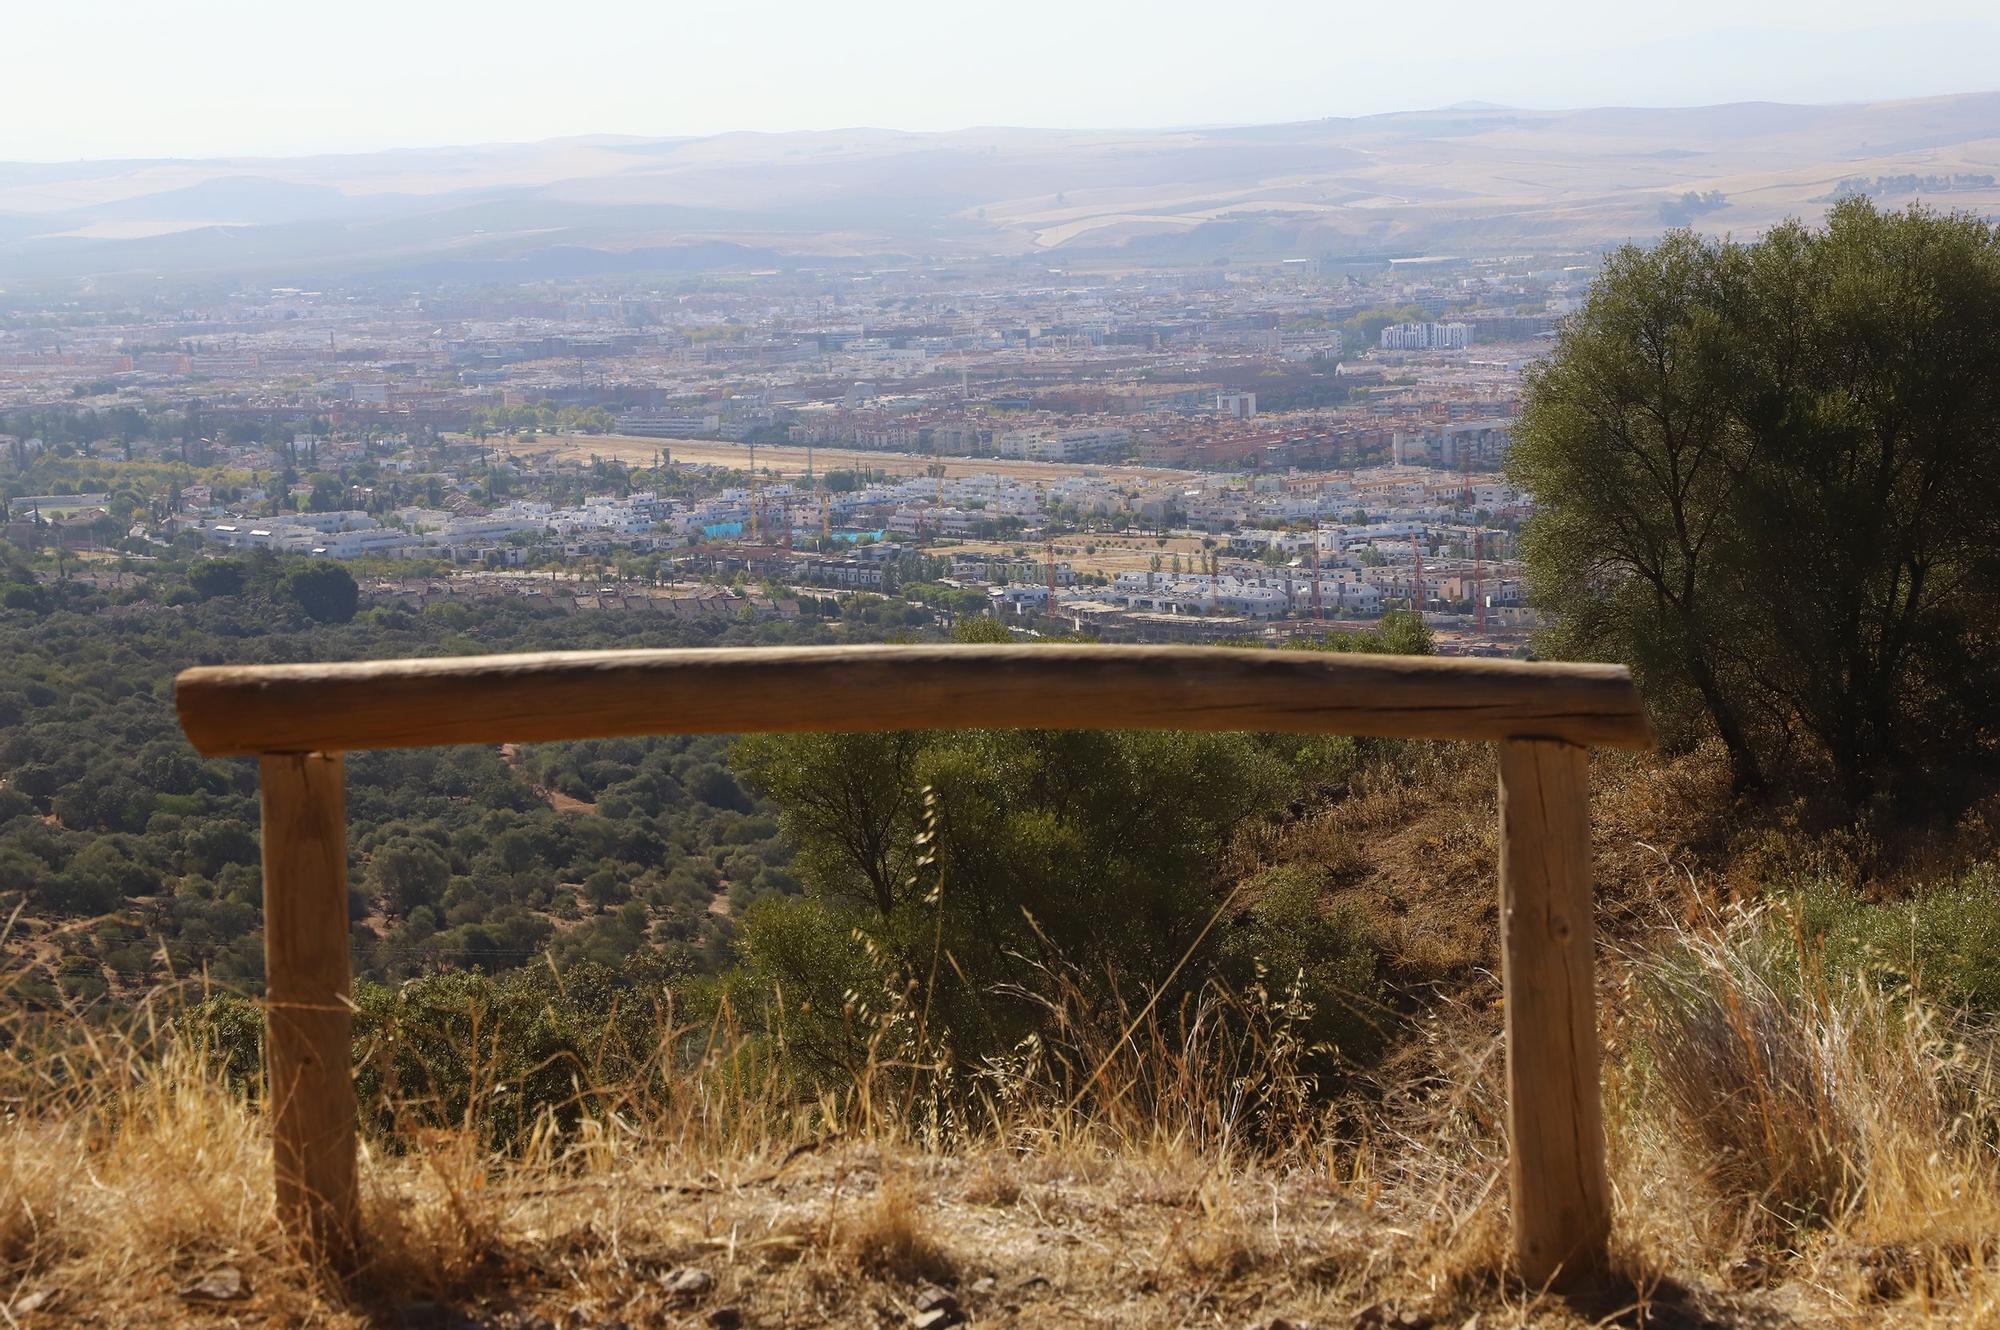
column 1555, row 1120
column 311, row 1091
column 240, row 710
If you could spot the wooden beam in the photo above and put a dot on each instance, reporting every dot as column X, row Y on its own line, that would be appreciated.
column 1555, row 1117
column 238, row 710
column 309, row 1020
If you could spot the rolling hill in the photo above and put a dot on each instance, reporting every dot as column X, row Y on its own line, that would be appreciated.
column 1469, row 178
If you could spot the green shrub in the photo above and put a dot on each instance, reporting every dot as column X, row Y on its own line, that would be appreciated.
column 498, row 1055
column 1943, row 942
column 1325, row 958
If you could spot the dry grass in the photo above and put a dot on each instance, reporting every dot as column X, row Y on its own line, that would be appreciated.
column 120, row 1195
column 790, row 459
column 1837, row 1129
column 1790, row 1147
column 891, row 1238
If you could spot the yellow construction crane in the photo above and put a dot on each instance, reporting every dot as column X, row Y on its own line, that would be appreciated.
column 1049, row 557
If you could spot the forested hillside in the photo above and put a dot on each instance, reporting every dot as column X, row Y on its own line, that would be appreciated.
column 146, row 854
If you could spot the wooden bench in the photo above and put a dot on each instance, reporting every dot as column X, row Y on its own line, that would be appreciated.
column 298, row 720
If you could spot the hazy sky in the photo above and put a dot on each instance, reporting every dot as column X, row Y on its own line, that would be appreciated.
column 105, row 78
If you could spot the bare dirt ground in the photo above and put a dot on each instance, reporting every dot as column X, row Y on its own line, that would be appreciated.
column 862, row 1236
column 790, row 460
column 556, row 799
column 1109, row 555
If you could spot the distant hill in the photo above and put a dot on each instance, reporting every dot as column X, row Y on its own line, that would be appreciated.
column 1466, row 178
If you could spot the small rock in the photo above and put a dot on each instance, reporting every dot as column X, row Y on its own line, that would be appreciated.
column 223, row 1284
column 691, row 1282
column 937, row 1318
column 724, row 1318
column 933, row 1298
column 1750, row 1272
column 1381, row 1316
column 1279, row 1323
column 33, row 1302
column 983, row 1285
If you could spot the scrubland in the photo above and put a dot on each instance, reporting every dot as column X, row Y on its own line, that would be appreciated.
column 1799, row 1085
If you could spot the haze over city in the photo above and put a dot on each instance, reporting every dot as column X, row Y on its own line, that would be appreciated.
column 216, row 77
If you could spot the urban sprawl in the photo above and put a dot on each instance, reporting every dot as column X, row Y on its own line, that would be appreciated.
column 1223, row 453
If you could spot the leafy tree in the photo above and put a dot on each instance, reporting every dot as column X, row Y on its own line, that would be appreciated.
column 407, row 873
column 850, row 804
column 1763, row 479
column 1626, row 442
column 215, row 844
column 980, row 628
column 217, row 577
column 325, row 591
column 1397, row 633
column 1871, row 509
column 1031, row 841
column 328, row 495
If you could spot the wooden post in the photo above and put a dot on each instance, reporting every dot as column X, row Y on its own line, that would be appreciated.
column 1555, row 1116
column 309, row 1019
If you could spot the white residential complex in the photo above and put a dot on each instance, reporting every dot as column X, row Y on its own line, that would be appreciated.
column 1426, row 337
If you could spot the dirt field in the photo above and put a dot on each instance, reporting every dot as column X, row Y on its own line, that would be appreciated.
column 791, row 461
column 1109, row 555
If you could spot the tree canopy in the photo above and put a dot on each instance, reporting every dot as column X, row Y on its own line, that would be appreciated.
column 1763, row 478
column 324, row 590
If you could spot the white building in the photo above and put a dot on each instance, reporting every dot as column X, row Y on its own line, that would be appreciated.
column 1426, row 337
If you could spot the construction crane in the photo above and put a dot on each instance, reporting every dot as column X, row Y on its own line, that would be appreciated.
column 1479, row 582
column 1317, row 614
column 1417, row 575
column 1049, row 562
column 755, row 526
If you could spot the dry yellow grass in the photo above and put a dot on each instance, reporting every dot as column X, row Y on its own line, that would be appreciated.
column 1787, row 1151
column 142, row 1198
